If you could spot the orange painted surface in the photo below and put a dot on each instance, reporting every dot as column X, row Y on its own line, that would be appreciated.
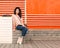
column 44, row 27
column 8, row 6
column 12, row 0
column 43, row 6
column 53, row 6
column 37, row 7
column 43, row 21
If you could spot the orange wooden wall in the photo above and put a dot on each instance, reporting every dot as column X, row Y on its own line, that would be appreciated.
column 8, row 6
column 43, row 14
column 43, row 6
column 37, row 12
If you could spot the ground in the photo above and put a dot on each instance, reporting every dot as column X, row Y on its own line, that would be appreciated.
column 33, row 44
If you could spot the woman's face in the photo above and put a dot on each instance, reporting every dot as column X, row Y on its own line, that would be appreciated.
column 17, row 11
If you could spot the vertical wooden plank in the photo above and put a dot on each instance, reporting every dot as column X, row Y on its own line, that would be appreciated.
column 20, row 46
column 36, row 44
column 44, row 42
column 33, row 44
column 57, row 43
column 41, row 45
column 16, row 45
column 12, row 46
column 54, row 44
column 50, row 44
column 7, row 46
column 3, row 45
column 29, row 44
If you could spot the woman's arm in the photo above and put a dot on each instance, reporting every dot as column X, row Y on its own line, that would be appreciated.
column 13, row 23
column 22, row 21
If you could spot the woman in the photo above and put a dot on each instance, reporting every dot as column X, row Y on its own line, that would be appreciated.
column 18, row 24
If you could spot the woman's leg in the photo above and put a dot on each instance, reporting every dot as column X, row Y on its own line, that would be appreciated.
column 24, row 31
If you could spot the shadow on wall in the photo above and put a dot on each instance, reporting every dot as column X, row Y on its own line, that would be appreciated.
column 6, row 15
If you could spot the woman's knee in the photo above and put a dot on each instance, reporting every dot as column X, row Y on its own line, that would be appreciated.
column 24, row 31
column 24, row 28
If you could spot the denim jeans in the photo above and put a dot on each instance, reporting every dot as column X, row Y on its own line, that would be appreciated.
column 23, row 29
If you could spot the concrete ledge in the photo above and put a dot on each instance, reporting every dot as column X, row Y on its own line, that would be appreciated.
column 38, row 34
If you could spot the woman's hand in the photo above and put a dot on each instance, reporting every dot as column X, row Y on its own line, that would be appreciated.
column 25, row 25
column 13, row 30
column 22, row 25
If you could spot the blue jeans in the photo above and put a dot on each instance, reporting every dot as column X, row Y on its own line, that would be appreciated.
column 23, row 29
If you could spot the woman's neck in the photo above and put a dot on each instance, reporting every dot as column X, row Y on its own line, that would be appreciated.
column 16, row 14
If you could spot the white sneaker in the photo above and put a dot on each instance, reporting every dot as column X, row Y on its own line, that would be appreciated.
column 20, row 43
column 20, row 39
